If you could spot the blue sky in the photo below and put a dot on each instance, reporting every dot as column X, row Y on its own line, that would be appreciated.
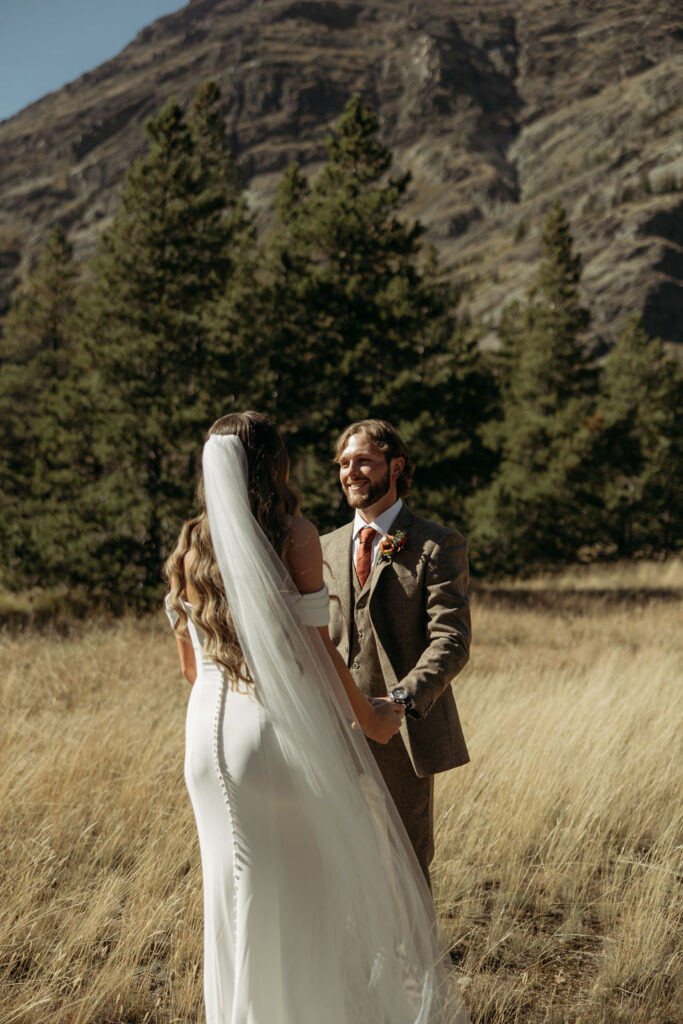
column 46, row 43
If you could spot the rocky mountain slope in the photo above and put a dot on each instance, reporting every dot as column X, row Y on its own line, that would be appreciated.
column 495, row 107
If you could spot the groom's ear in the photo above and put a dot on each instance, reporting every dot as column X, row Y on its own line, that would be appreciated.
column 397, row 466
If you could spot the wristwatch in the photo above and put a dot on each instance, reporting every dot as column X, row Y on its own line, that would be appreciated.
column 400, row 695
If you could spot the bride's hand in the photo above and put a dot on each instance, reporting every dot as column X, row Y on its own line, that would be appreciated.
column 386, row 720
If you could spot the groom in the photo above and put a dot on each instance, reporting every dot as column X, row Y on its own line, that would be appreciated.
column 400, row 617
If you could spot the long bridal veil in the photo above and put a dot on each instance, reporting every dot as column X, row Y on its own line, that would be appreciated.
column 359, row 897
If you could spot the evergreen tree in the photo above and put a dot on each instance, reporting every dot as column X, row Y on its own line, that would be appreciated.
column 39, row 468
column 166, row 258
column 642, row 399
column 354, row 321
column 542, row 505
column 230, row 235
column 230, row 319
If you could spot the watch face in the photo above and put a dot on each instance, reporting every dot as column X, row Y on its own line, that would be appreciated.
column 400, row 694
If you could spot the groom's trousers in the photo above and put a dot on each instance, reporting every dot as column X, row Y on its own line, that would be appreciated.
column 413, row 796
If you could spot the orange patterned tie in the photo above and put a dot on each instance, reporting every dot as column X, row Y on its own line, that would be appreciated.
column 364, row 555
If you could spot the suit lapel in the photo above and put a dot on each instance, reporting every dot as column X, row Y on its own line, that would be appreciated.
column 339, row 561
column 401, row 522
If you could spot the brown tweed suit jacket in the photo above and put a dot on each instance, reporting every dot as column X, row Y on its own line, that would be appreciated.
column 420, row 616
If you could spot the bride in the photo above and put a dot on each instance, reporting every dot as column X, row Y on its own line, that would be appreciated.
column 315, row 908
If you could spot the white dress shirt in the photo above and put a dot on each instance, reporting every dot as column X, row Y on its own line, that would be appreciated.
column 381, row 525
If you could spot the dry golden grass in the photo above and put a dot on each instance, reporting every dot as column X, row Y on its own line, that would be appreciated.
column 558, row 850
column 618, row 577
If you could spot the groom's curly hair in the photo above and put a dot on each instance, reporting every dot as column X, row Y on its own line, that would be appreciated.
column 387, row 440
column 193, row 561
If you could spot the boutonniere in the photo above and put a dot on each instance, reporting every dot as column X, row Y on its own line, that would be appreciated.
column 391, row 544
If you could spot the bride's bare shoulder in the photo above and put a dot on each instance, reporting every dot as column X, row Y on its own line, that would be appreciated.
column 304, row 554
column 301, row 531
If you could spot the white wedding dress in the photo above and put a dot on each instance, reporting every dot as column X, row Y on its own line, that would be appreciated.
column 315, row 909
column 259, row 967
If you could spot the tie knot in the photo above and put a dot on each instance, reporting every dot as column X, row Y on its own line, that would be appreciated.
column 366, row 535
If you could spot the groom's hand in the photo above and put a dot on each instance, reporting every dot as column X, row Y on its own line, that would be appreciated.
column 388, row 718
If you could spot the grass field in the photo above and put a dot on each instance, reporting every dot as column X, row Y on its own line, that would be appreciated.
column 558, row 865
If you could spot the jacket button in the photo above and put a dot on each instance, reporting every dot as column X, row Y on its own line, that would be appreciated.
column 355, row 665
column 359, row 635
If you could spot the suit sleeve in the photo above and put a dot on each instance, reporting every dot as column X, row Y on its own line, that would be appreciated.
column 448, row 623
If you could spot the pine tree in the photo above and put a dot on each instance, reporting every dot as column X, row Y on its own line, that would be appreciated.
column 230, row 233
column 230, row 320
column 354, row 321
column 643, row 396
column 40, row 468
column 166, row 258
column 542, row 505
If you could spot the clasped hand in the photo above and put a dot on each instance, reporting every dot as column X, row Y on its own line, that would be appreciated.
column 387, row 719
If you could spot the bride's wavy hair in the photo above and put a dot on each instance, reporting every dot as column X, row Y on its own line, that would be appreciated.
column 272, row 501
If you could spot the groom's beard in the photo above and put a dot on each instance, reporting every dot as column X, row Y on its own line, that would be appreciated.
column 373, row 493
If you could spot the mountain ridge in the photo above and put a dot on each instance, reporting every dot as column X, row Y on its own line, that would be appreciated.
column 495, row 108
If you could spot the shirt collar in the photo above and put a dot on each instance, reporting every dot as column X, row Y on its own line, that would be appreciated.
column 382, row 523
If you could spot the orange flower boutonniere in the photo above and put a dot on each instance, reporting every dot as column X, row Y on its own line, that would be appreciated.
column 391, row 544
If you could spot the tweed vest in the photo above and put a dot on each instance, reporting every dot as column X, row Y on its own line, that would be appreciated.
column 363, row 656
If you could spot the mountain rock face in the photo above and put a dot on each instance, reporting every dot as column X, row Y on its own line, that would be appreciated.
column 495, row 107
